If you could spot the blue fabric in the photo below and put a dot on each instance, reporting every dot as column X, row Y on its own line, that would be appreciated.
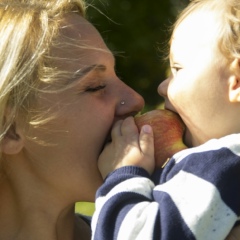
column 195, row 196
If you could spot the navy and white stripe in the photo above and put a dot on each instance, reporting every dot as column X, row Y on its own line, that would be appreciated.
column 196, row 196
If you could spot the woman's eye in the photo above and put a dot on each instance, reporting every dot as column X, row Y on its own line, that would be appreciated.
column 95, row 89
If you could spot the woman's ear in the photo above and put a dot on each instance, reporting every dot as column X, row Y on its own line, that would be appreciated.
column 12, row 142
column 234, row 81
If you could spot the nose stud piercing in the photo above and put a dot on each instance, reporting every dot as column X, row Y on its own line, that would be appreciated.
column 122, row 102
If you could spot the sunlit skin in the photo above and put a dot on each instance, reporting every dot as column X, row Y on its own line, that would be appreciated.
column 63, row 169
column 203, row 87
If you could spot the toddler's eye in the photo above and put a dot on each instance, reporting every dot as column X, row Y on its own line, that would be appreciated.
column 175, row 70
column 95, row 89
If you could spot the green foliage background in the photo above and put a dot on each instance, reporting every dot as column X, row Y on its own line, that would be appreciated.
column 137, row 31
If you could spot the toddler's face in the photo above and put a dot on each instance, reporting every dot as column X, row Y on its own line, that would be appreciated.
column 198, row 86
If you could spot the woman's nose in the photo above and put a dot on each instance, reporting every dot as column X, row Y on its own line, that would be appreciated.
column 130, row 102
column 163, row 87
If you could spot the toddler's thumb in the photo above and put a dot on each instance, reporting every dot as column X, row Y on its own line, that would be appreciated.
column 146, row 141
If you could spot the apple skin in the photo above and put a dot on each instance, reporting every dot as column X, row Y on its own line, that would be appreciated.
column 168, row 130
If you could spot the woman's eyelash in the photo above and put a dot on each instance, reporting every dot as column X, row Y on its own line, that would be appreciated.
column 95, row 89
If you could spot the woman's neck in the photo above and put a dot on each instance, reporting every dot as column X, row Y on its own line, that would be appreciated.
column 31, row 207
column 28, row 216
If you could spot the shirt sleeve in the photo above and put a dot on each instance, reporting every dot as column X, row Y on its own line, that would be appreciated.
column 197, row 196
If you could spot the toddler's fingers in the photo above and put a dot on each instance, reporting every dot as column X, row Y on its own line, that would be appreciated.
column 129, row 127
column 116, row 130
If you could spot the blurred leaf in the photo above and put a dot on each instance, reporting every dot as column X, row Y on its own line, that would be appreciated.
column 85, row 208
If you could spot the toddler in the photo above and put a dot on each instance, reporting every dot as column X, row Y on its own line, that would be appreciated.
column 197, row 194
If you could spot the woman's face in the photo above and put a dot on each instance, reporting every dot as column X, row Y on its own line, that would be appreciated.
column 198, row 86
column 85, row 113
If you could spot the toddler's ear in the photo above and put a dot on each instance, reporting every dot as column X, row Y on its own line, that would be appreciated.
column 234, row 81
column 12, row 142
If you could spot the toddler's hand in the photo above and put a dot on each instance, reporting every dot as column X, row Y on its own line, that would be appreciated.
column 128, row 148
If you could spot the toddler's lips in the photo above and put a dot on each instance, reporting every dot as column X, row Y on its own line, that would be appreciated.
column 167, row 107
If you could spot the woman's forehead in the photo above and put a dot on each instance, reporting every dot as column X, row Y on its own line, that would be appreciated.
column 76, row 27
column 77, row 42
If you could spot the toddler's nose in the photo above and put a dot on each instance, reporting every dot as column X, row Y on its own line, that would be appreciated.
column 163, row 87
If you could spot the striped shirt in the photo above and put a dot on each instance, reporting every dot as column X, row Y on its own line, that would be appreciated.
column 195, row 196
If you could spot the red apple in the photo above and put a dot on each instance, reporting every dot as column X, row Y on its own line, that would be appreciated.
column 168, row 130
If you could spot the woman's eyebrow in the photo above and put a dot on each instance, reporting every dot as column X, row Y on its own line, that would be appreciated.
column 84, row 71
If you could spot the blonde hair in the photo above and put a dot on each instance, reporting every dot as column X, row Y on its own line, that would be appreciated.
column 27, row 32
column 228, row 13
